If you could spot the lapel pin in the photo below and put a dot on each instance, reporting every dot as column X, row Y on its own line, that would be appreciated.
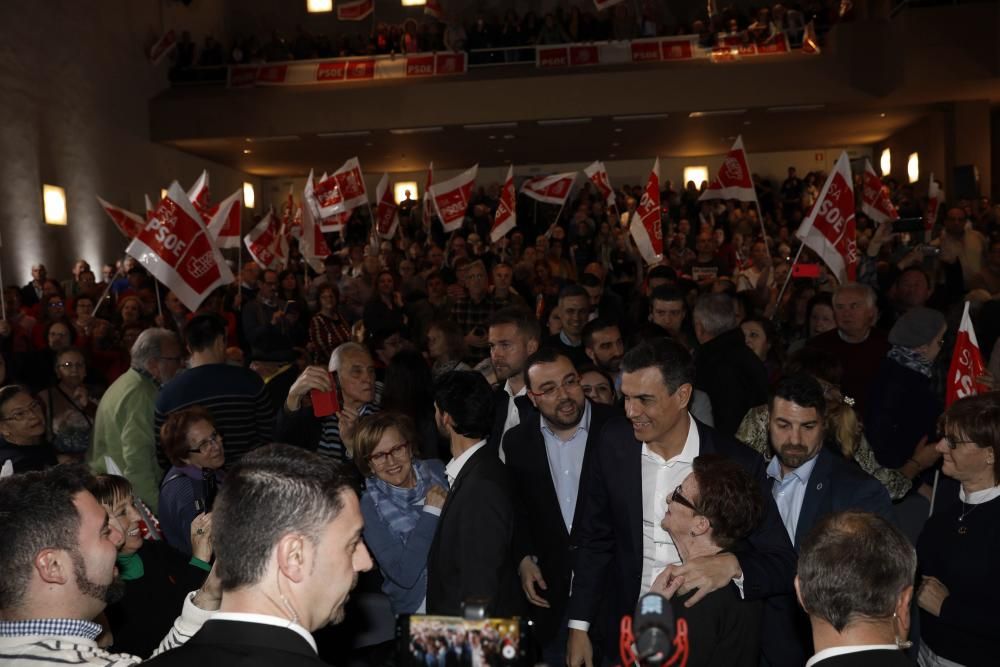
column 819, row 487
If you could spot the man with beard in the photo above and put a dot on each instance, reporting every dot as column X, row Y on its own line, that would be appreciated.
column 513, row 336
column 58, row 572
column 286, row 527
column 470, row 558
column 602, row 341
column 809, row 481
column 546, row 456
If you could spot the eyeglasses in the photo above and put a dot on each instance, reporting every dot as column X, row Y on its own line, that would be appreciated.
column 953, row 443
column 398, row 453
column 678, row 497
column 24, row 413
column 56, row 304
column 568, row 385
column 214, row 439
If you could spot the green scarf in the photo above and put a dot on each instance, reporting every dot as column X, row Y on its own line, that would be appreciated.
column 130, row 567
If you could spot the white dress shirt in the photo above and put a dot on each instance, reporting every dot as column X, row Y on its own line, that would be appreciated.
column 513, row 416
column 455, row 465
column 266, row 619
column 789, row 491
column 834, row 651
column 566, row 463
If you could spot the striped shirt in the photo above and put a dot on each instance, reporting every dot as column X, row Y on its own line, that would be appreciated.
column 330, row 442
column 41, row 642
column 236, row 397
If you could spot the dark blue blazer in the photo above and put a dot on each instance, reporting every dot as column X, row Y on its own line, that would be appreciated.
column 607, row 536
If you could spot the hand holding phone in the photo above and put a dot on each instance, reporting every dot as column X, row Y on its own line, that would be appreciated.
column 326, row 403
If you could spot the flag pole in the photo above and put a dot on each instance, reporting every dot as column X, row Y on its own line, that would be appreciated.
column 107, row 289
column 788, row 278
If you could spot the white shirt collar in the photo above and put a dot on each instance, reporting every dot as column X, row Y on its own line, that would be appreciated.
column 979, row 497
column 455, row 466
column 523, row 392
column 692, row 447
column 802, row 473
column 266, row 619
column 845, row 650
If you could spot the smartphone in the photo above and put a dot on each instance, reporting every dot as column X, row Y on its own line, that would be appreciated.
column 805, row 271
column 326, row 403
column 930, row 250
column 489, row 641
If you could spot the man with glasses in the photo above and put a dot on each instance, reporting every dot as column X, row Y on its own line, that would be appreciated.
column 546, row 455
column 470, row 558
column 236, row 397
column 123, row 426
column 263, row 318
column 472, row 312
column 22, row 431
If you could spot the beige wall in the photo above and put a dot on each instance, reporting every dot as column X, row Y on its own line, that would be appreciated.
column 74, row 111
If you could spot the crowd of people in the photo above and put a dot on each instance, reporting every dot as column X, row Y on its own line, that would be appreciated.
column 543, row 426
column 508, row 30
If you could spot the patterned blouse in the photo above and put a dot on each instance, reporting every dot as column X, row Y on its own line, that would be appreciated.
column 326, row 333
column 753, row 432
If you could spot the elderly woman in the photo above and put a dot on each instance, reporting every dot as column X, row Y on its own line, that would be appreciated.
column 445, row 347
column 70, row 406
column 194, row 449
column 716, row 507
column 156, row 577
column 22, row 431
column 401, row 505
column 959, row 548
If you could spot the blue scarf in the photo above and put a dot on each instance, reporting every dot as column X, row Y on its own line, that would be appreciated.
column 909, row 358
column 399, row 507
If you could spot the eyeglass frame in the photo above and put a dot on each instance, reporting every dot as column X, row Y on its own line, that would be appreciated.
column 565, row 385
column 22, row 414
column 953, row 444
column 681, row 499
column 215, row 438
column 387, row 454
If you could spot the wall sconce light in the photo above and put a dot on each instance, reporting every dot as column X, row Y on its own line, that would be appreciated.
column 54, row 200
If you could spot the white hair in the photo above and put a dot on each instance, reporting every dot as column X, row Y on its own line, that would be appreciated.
column 857, row 288
column 337, row 357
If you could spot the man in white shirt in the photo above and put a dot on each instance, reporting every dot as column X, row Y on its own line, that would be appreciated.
column 287, row 533
column 513, row 336
column 58, row 572
column 470, row 559
column 855, row 580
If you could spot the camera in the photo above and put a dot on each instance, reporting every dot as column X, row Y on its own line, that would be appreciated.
column 463, row 641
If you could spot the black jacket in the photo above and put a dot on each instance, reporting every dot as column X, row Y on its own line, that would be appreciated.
column 607, row 561
column 733, row 377
column 539, row 529
column 470, row 558
column 241, row 644
column 869, row 658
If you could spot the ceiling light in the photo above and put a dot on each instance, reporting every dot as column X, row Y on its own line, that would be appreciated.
column 885, row 162
column 719, row 112
column 54, row 203
column 248, row 195
column 795, row 107
column 414, row 3
column 639, row 116
column 493, row 136
column 351, row 133
column 619, row 129
column 698, row 174
column 881, row 115
column 564, row 121
column 417, row 130
column 319, row 6
column 246, row 151
column 490, row 126
column 913, row 167
column 508, row 136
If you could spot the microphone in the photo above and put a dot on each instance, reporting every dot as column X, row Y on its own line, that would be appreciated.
column 654, row 630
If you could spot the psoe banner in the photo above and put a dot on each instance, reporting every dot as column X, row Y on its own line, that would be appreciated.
column 338, row 70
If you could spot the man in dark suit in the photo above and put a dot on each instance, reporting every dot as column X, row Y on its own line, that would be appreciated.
column 33, row 291
column 287, row 532
column 546, row 456
column 470, row 558
column 855, row 581
column 809, row 481
column 622, row 550
column 728, row 371
column 513, row 335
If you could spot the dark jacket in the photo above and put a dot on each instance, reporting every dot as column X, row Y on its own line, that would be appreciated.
column 902, row 408
column 869, row 658
column 470, row 558
column 607, row 561
column 502, row 400
column 26, row 458
column 241, row 644
column 539, row 529
column 733, row 377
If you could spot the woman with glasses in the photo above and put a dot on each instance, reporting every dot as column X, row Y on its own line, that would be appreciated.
column 156, row 577
column 714, row 509
column 70, row 407
column 22, row 431
column 959, row 548
column 194, row 448
column 401, row 505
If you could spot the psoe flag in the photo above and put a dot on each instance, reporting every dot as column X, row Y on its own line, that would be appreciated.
column 506, row 216
column 598, row 175
column 733, row 180
column 645, row 224
column 966, row 363
column 128, row 223
column 875, row 201
column 175, row 246
column 266, row 242
column 199, row 194
column 386, row 212
column 830, row 229
column 451, row 198
column 225, row 220
column 552, row 189
column 351, row 184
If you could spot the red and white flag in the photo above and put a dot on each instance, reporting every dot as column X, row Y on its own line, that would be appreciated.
column 451, row 198
column 149, row 207
column 386, row 211
column 266, row 242
column 552, row 189
column 875, row 201
column 199, row 194
column 428, row 200
column 312, row 243
column 830, row 228
column 326, row 193
column 128, row 223
column 175, row 246
column 434, row 8
column 733, row 180
column 506, row 215
column 351, row 184
column 355, row 11
column 598, row 175
column 935, row 197
column 226, row 219
column 645, row 223
column 966, row 363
